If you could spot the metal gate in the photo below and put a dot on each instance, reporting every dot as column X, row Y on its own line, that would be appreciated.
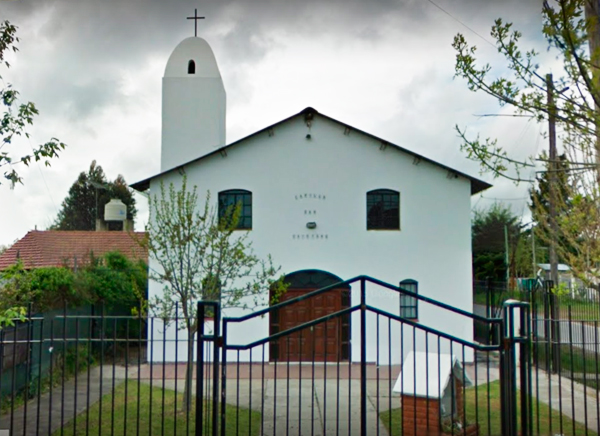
column 402, row 376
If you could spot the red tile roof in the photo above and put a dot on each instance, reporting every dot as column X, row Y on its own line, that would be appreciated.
column 59, row 248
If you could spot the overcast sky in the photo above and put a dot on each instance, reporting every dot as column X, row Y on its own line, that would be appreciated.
column 94, row 70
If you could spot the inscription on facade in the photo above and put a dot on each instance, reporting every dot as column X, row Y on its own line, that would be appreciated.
column 307, row 196
column 310, row 215
column 312, row 236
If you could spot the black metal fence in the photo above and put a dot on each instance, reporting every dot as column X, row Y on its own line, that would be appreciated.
column 398, row 376
column 565, row 345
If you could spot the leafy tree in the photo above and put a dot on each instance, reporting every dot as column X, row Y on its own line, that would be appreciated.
column 571, row 29
column 489, row 247
column 88, row 196
column 540, row 205
column 202, row 258
column 16, row 119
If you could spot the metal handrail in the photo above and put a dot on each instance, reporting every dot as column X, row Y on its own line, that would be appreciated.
column 370, row 280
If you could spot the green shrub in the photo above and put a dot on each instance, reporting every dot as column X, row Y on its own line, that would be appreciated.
column 111, row 280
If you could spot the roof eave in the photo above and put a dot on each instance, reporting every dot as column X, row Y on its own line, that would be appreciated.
column 477, row 185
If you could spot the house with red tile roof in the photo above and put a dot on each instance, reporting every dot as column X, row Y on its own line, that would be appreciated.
column 55, row 248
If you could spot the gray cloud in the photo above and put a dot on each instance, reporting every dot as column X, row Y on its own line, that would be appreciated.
column 94, row 70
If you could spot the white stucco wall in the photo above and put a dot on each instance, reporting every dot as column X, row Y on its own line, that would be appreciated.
column 193, row 105
column 432, row 247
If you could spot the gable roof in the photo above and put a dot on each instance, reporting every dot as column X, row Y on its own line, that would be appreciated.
column 477, row 185
column 52, row 248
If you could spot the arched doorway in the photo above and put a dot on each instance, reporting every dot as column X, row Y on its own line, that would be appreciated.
column 325, row 342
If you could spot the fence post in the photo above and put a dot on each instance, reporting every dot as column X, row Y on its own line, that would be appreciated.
column 199, row 369
column 507, row 374
column 516, row 330
column 525, row 367
column 488, row 298
column 217, row 347
column 363, row 359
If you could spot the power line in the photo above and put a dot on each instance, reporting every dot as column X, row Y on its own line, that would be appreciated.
column 459, row 21
column 505, row 199
column 43, row 178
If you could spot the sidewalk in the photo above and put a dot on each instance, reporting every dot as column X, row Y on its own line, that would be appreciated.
column 576, row 401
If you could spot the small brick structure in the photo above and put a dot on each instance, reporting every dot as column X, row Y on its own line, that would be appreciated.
column 431, row 391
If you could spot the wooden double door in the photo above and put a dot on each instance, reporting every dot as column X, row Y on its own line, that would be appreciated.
column 327, row 341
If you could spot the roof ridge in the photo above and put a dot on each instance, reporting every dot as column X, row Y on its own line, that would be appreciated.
column 477, row 185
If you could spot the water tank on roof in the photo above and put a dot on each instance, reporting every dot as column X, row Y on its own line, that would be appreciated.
column 115, row 210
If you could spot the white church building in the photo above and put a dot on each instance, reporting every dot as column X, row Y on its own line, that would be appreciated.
column 328, row 202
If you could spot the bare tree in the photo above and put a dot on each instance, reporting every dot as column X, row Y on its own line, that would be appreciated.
column 202, row 257
column 16, row 118
column 569, row 102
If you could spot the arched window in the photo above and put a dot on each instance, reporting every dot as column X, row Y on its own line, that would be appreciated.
column 191, row 67
column 409, row 304
column 229, row 200
column 383, row 210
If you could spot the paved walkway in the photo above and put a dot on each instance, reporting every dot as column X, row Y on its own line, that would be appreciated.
column 576, row 401
column 61, row 406
column 305, row 408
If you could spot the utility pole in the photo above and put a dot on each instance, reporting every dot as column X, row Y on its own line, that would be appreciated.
column 552, row 179
column 553, row 196
column 533, row 251
column 506, row 259
column 592, row 15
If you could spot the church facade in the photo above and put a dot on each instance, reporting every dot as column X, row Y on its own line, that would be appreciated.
column 328, row 202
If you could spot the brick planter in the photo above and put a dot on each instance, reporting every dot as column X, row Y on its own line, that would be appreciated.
column 431, row 389
column 421, row 416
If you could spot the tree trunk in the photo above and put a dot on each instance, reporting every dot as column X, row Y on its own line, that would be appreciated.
column 189, row 373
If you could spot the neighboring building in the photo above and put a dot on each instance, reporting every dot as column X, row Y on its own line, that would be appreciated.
column 56, row 248
column 576, row 287
column 564, row 272
column 327, row 201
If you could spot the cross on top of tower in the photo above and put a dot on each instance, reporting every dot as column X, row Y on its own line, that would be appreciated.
column 195, row 18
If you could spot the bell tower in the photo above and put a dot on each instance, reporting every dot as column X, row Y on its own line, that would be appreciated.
column 193, row 104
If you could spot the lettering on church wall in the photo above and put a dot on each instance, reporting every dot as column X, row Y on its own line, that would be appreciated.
column 310, row 196
column 311, row 214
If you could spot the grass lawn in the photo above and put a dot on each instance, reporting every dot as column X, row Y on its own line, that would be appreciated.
column 123, row 417
column 492, row 427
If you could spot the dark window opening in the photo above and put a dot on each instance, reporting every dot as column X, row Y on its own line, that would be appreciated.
column 230, row 200
column 408, row 303
column 191, row 67
column 383, row 210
